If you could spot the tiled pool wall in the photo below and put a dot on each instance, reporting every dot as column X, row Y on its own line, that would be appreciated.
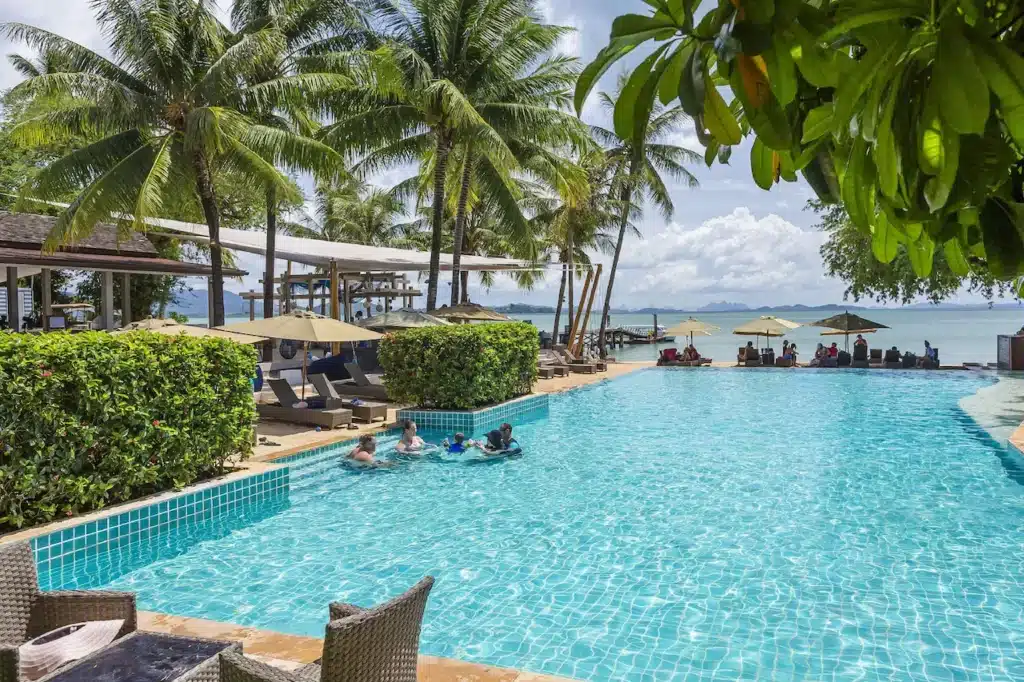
column 58, row 552
column 479, row 421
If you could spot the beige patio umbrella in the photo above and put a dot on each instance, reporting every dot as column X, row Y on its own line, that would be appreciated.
column 767, row 326
column 305, row 326
column 692, row 326
column 470, row 312
column 403, row 319
column 172, row 328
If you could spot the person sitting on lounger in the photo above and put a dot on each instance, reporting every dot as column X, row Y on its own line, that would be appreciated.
column 499, row 441
column 861, row 341
column 792, row 353
column 458, row 444
column 410, row 442
column 820, row 353
column 833, row 351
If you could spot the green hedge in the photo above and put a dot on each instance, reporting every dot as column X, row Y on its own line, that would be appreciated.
column 91, row 419
column 460, row 366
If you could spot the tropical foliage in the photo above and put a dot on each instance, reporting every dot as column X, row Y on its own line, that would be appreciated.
column 460, row 366
column 92, row 419
column 908, row 113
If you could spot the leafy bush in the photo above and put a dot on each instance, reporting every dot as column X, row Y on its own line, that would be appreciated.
column 91, row 419
column 460, row 366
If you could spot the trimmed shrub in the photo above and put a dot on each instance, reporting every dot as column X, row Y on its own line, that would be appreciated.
column 91, row 419
column 460, row 366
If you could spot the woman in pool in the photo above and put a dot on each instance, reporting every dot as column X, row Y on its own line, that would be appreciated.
column 411, row 443
column 499, row 441
column 364, row 453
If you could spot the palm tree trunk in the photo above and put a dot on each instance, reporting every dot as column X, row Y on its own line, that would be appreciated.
column 561, row 297
column 440, row 168
column 268, row 270
column 570, row 285
column 204, row 184
column 460, row 224
column 464, row 276
column 626, row 197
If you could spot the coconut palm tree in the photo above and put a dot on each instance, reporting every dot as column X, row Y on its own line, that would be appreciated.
column 417, row 73
column 636, row 175
column 166, row 113
column 355, row 212
column 308, row 27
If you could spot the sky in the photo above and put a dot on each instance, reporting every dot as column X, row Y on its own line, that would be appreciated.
column 728, row 240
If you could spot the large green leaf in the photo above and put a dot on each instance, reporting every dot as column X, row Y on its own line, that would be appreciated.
column 959, row 85
column 955, row 258
column 854, row 84
column 816, row 65
column 668, row 89
column 886, row 155
column 781, row 72
column 1004, row 71
column 593, row 72
column 931, row 152
column 626, row 103
column 755, row 38
column 768, row 120
column 937, row 189
column 645, row 103
column 691, row 83
column 1000, row 222
column 884, row 239
column 717, row 116
column 631, row 24
column 762, row 164
column 858, row 187
column 818, row 123
column 860, row 18
column 921, row 252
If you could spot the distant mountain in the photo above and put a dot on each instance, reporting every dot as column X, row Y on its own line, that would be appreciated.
column 524, row 309
column 807, row 308
column 723, row 307
column 195, row 304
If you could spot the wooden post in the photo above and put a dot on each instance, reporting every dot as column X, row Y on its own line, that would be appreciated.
column 252, row 306
column 335, row 312
column 209, row 301
column 107, row 299
column 286, row 290
column 348, row 302
column 655, row 326
column 590, row 306
column 47, row 302
column 126, row 299
column 13, row 316
column 571, row 341
column 312, row 285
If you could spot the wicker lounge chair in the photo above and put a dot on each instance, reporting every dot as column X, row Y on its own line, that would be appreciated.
column 556, row 359
column 287, row 412
column 747, row 356
column 287, row 397
column 875, row 357
column 602, row 365
column 26, row 612
column 361, row 645
column 363, row 410
column 860, row 357
column 893, row 359
column 545, row 372
column 360, row 385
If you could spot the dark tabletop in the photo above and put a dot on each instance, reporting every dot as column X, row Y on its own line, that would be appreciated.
column 146, row 657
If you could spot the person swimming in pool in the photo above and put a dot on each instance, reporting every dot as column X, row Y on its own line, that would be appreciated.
column 364, row 453
column 410, row 443
column 458, row 444
column 499, row 441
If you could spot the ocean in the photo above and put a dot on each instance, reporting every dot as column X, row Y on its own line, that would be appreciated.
column 965, row 335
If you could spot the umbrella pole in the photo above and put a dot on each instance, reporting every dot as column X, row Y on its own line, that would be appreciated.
column 305, row 353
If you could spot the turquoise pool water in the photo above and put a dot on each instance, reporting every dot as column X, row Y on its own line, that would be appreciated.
column 672, row 524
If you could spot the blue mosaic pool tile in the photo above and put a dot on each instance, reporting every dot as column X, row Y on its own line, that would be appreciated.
column 514, row 412
column 60, row 550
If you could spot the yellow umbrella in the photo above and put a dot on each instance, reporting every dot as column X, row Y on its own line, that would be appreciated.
column 470, row 312
column 172, row 328
column 766, row 326
column 305, row 326
column 692, row 326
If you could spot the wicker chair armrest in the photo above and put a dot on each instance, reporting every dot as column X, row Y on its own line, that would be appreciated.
column 51, row 610
column 234, row 667
column 341, row 610
column 9, row 663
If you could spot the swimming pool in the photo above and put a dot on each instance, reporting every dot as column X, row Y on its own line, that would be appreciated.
column 671, row 524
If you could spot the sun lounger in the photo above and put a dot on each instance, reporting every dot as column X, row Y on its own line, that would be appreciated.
column 556, row 359
column 285, row 395
column 361, row 409
column 875, row 360
column 360, row 385
column 860, row 357
column 571, row 359
column 287, row 412
column 893, row 359
column 748, row 357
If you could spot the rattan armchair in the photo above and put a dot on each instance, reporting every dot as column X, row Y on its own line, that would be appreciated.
column 26, row 612
column 361, row 645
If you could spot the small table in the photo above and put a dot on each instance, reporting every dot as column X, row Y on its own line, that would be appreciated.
column 149, row 657
column 365, row 411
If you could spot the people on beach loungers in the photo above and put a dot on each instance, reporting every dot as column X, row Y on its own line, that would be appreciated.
column 410, row 444
column 860, row 341
column 833, row 350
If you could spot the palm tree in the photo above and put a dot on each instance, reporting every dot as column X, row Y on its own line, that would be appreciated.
column 416, row 73
column 636, row 174
column 308, row 27
column 354, row 212
column 166, row 114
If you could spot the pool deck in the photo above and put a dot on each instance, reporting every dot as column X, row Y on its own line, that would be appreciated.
column 289, row 652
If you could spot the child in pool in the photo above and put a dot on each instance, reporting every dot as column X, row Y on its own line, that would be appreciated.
column 459, row 444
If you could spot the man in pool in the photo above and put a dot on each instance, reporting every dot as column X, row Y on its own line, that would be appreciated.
column 499, row 441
